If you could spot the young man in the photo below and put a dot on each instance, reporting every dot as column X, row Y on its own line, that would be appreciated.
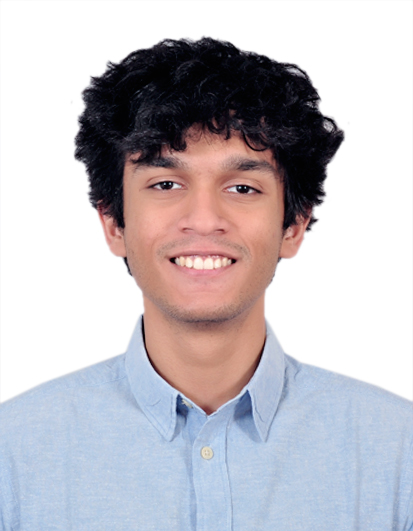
column 205, row 163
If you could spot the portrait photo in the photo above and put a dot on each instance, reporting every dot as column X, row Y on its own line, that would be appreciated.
column 343, row 303
column 206, row 265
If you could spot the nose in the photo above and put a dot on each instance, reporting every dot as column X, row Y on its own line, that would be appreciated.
column 203, row 213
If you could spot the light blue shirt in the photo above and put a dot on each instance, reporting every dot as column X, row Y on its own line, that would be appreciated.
column 115, row 448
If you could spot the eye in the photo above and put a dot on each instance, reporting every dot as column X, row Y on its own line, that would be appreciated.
column 166, row 185
column 242, row 189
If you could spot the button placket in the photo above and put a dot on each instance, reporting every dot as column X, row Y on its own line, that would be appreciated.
column 210, row 475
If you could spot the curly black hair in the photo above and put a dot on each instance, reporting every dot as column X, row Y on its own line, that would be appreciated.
column 151, row 99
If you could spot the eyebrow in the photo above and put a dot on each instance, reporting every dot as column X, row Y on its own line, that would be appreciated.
column 237, row 163
column 160, row 162
column 234, row 163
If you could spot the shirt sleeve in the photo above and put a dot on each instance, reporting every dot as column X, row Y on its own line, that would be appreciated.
column 408, row 485
column 5, row 513
column 8, row 504
column 409, row 519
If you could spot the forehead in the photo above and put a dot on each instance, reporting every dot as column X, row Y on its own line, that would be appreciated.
column 209, row 152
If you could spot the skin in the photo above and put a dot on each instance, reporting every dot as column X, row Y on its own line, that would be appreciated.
column 204, row 330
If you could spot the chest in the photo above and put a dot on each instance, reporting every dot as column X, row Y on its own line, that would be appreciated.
column 210, row 476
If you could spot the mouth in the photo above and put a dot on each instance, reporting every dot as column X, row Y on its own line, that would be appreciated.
column 202, row 262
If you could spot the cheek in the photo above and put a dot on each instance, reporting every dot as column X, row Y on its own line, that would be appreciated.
column 266, row 232
column 143, row 232
column 271, row 248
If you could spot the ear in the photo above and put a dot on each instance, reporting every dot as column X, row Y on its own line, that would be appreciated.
column 113, row 234
column 293, row 237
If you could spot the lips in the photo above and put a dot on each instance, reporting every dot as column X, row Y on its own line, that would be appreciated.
column 200, row 262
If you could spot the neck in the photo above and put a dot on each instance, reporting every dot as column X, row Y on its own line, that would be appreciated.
column 209, row 364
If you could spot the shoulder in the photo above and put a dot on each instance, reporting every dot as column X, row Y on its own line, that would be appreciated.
column 56, row 396
column 42, row 428
column 347, row 399
column 356, row 430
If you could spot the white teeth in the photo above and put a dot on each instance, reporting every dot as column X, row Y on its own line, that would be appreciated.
column 200, row 262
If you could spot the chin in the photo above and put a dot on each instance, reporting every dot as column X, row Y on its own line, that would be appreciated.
column 202, row 317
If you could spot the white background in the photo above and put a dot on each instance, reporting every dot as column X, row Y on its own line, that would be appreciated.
column 344, row 303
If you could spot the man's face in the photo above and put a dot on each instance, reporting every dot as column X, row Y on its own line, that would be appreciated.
column 203, row 228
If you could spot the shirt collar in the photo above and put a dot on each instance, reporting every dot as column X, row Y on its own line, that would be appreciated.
column 266, row 385
column 158, row 399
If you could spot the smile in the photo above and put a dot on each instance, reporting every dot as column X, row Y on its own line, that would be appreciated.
column 202, row 262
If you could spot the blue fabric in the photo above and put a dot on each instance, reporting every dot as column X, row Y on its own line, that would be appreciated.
column 114, row 447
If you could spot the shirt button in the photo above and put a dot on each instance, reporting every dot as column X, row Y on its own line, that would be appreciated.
column 207, row 453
